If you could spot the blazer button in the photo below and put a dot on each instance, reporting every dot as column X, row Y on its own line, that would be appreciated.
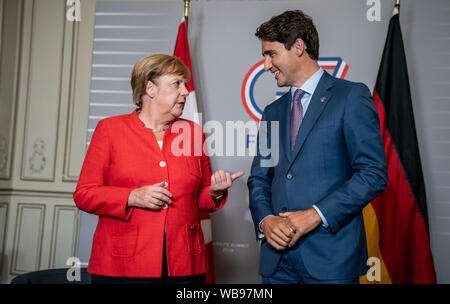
column 162, row 164
column 289, row 176
column 192, row 227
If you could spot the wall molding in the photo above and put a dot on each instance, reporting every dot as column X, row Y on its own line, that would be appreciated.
column 34, row 193
column 3, row 152
column 3, row 225
column 67, row 174
column 2, row 18
column 16, row 268
column 10, row 58
column 56, row 230
column 34, row 176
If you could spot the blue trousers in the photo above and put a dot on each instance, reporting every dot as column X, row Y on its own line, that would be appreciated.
column 291, row 270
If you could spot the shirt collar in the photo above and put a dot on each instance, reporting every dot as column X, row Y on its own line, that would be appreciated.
column 310, row 85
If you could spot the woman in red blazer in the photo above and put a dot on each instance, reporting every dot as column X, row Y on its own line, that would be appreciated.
column 147, row 177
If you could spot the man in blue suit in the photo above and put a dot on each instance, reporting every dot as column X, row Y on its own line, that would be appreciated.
column 307, row 207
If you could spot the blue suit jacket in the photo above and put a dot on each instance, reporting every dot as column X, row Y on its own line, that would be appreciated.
column 338, row 164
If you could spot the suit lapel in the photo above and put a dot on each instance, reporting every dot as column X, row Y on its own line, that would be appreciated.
column 318, row 102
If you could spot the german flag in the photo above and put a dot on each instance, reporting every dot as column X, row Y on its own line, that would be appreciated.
column 396, row 221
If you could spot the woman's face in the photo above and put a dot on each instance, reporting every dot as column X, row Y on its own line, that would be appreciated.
column 170, row 94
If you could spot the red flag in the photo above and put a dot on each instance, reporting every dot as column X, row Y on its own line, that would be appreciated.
column 397, row 220
column 190, row 112
column 182, row 51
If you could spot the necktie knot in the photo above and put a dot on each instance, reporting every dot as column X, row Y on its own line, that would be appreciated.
column 298, row 94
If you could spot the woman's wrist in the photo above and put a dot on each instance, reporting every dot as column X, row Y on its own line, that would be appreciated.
column 218, row 196
column 217, row 193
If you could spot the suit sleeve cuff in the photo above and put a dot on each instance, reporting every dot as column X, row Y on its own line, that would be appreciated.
column 324, row 220
column 260, row 234
column 207, row 204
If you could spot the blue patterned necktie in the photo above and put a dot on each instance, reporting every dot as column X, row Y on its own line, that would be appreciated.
column 296, row 115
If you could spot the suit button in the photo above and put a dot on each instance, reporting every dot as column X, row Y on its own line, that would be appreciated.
column 162, row 164
column 289, row 176
column 284, row 209
column 192, row 227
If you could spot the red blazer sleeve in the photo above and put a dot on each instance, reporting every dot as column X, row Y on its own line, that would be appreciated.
column 205, row 201
column 93, row 194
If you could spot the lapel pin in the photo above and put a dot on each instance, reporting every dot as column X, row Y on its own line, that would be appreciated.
column 322, row 99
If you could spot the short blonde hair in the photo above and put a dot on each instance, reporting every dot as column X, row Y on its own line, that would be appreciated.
column 152, row 67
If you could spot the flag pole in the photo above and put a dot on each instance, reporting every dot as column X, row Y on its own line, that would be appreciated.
column 397, row 4
column 186, row 10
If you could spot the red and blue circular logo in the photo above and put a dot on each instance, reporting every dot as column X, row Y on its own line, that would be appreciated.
column 254, row 107
column 248, row 84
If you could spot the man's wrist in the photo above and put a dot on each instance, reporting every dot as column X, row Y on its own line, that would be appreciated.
column 262, row 221
column 323, row 222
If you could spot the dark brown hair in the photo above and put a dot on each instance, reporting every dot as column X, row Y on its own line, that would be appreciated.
column 288, row 27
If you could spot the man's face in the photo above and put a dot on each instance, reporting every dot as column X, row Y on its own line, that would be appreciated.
column 280, row 61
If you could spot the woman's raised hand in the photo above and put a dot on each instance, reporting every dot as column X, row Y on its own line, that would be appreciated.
column 221, row 181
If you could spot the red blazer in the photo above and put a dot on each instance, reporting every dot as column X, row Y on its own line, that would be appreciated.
column 124, row 155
